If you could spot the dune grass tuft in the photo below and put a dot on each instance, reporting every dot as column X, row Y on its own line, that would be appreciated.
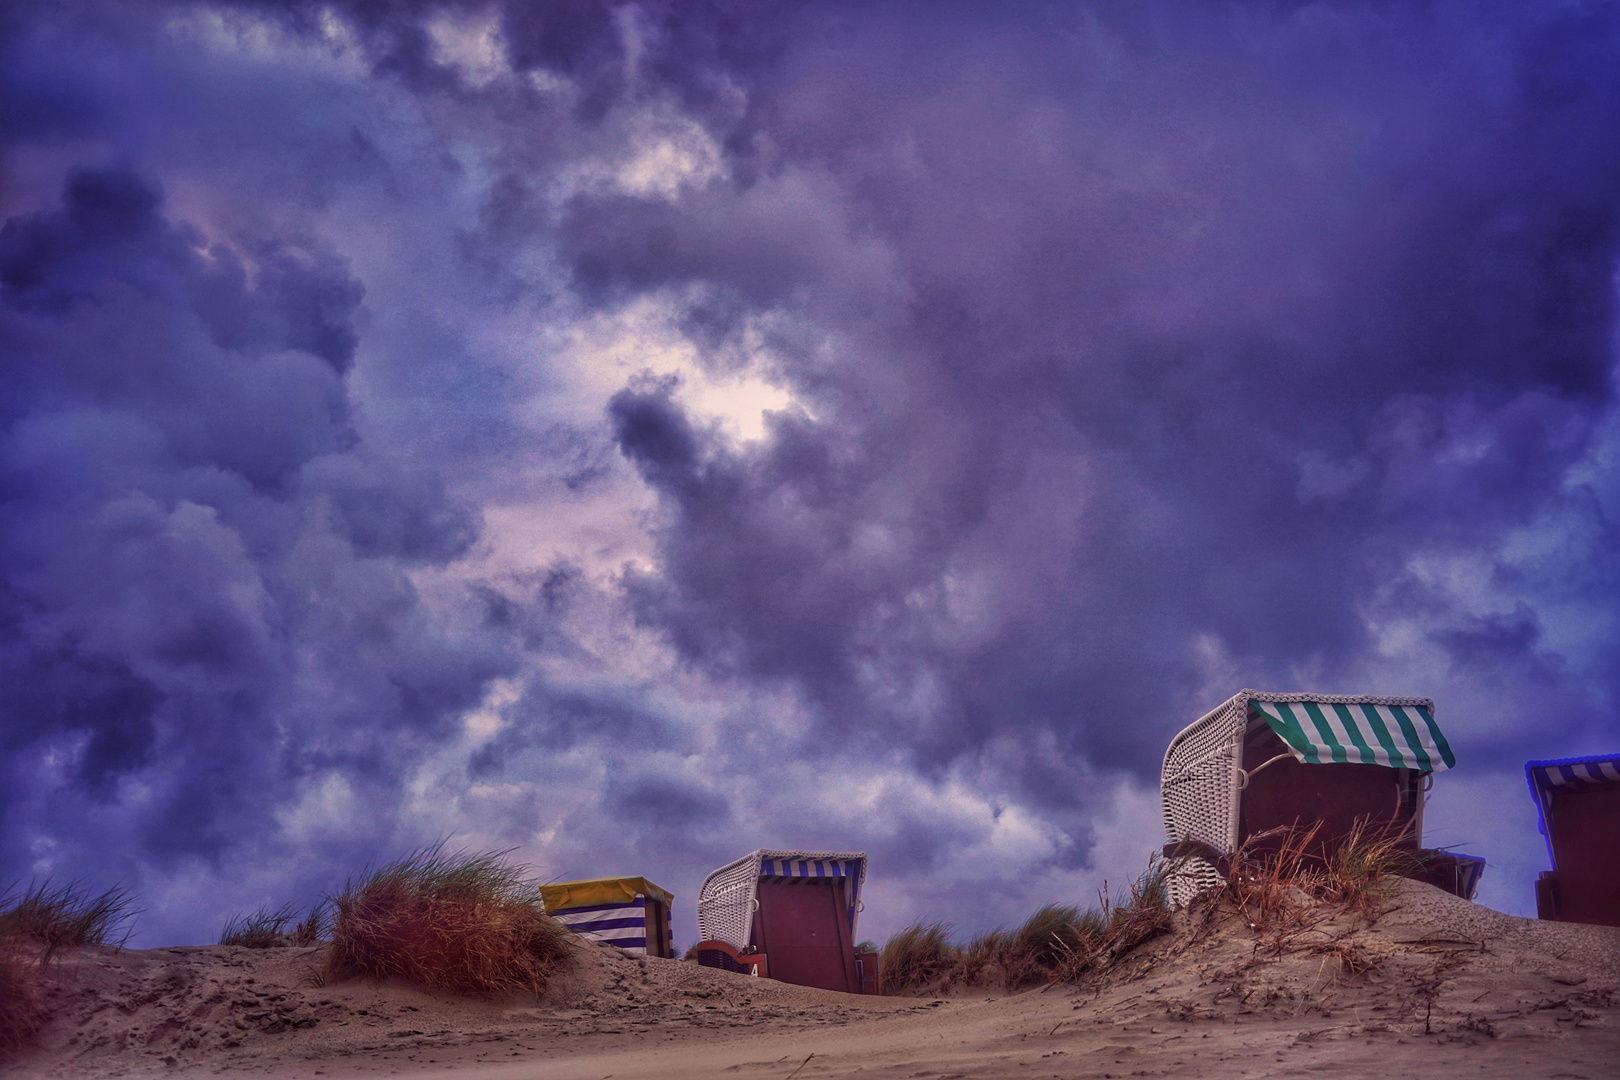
column 1272, row 879
column 1059, row 942
column 457, row 922
column 266, row 928
column 1143, row 915
column 1101, row 938
column 67, row 916
column 978, row 963
column 1057, row 931
column 1280, row 885
column 916, row 957
column 1364, row 861
column 21, row 1013
column 1285, row 888
column 261, row 929
column 314, row 927
column 36, row 922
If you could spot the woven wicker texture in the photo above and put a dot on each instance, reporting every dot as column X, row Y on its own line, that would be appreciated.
column 1200, row 785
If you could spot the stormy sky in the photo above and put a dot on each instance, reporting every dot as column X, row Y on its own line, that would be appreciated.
column 637, row 433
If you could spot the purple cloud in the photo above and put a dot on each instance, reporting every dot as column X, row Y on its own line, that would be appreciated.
column 641, row 434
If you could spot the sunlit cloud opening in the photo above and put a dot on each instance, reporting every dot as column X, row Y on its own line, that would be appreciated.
column 471, row 43
column 642, row 341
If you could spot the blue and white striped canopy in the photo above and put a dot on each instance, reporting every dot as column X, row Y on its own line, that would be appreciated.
column 812, row 868
column 1399, row 736
column 1547, row 776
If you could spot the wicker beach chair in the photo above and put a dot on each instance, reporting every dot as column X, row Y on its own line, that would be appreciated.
column 1262, row 762
column 787, row 915
column 1579, row 803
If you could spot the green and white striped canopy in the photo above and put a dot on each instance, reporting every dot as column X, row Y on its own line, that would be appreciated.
column 1319, row 733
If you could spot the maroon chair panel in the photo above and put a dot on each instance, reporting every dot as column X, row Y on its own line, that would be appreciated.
column 1290, row 792
column 1585, row 827
column 805, row 926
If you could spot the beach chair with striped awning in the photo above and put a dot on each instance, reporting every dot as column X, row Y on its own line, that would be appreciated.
column 629, row 912
column 1578, row 800
column 1264, row 761
column 787, row 915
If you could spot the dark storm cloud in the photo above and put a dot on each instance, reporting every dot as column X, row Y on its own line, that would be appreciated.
column 566, row 720
column 1304, row 306
column 657, row 803
column 1187, row 322
column 173, row 460
column 1138, row 353
column 97, row 699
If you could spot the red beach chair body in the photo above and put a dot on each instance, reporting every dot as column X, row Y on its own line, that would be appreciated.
column 1579, row 800
column 799, row 908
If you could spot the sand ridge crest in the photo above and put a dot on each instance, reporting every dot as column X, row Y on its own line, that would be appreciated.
column 123, row 1012
column 1433, row 987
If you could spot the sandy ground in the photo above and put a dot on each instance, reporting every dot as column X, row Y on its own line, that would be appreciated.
column 1435, row 988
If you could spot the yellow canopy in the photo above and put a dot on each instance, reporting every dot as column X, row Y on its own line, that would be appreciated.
column 609, row 890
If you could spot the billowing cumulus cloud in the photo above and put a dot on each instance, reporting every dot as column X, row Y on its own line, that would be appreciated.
column 634, row 434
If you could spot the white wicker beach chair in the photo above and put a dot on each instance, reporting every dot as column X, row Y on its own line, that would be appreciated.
column 1209, row 767
column 809, row 931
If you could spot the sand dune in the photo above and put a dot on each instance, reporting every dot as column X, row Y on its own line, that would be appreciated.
column 1436, row 987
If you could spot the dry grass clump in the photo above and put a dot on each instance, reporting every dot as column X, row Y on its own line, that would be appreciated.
column 266, row 928
column 1272, row 887
column 1044, row 944
column 1292, row 894
column 1356, row 958
column 1121, row 926
column 314, row 927
column 259, row 930
column 21, row 1014
column 1055, row 931
column 67, row 916
column 467, row 923
column 977, row 964
column 1365, row 860
column 1059, row 942
column 1280, row 882
column 1279, row 885
column 918, row 956
column 1144, row 915
column 33, row 925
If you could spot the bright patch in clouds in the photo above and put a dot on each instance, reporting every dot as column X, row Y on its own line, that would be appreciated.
column 667, row 153
column 643, row 341
column 472, row 44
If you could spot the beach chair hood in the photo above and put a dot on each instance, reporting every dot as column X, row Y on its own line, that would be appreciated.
column 572, row 894
column 1326, row 729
